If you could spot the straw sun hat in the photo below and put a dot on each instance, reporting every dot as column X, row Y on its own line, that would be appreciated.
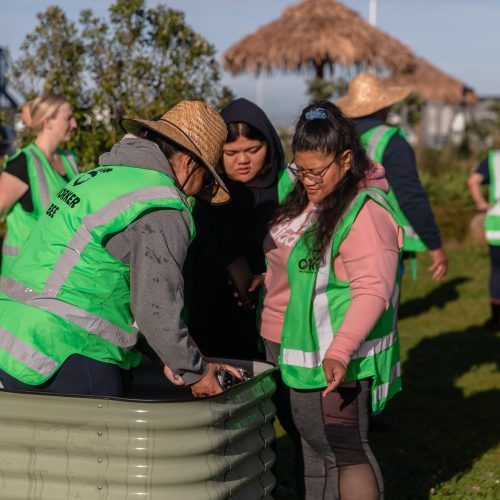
column 198, row 128
column 367, row 94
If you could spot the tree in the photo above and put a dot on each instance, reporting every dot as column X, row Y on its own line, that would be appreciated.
column 319, row 88
column 139, row 62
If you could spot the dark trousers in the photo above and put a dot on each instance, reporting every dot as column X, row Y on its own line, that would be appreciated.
column 77, row 375
column 494, row 273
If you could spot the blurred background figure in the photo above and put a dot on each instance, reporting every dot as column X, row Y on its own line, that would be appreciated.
column 36, row 173
column 368, row 102
column 227, row 250
column 488, row 173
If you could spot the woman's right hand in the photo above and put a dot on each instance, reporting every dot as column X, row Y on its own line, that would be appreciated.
column 483, row 206
column 335, row 373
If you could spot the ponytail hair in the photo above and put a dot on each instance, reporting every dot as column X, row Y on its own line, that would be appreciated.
column 36, row 111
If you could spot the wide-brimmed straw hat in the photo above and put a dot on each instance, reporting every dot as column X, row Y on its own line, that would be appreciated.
column 367, row 94
column 198, row 128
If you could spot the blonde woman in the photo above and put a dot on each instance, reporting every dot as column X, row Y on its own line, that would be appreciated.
column 36, row 173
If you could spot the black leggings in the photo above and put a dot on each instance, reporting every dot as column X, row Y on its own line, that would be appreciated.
column 338, row 463
column 494, row 273
column 77, row 375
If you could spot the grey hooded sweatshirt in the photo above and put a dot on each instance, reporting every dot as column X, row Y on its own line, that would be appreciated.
column 155, row 247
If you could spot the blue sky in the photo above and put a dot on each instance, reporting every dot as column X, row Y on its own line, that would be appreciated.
column 462, row 37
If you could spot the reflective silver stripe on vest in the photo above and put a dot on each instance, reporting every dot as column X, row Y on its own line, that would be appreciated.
column 410, row 232
column 375, row 139
column 322, row 308
column 370, row 348
column 48, row 298
column 496, row 170
column 42, row 180
column 382, row 391
column 73, row 314
column 10, row 250
column 291, row 175
column 26, row 354
column 72, row 162
column 492, row 235
column 82, row 237
column 296, row 357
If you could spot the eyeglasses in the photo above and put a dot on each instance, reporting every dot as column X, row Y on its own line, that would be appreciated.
column 315, row 175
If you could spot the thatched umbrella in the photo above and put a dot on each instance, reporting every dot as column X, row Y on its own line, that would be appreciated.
column 317, row 33
column 434, row 85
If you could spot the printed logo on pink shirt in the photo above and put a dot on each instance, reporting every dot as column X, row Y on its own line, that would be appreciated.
column 289, row 232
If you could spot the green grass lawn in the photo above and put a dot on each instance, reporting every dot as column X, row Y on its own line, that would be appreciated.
column 445, row 442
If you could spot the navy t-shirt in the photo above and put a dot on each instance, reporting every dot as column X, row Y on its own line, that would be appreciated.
column 483, row 169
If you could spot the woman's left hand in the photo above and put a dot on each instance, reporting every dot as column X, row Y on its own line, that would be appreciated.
column 335, row 373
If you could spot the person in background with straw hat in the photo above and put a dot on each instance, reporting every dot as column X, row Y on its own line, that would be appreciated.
column 368, row 102
column 105, row 260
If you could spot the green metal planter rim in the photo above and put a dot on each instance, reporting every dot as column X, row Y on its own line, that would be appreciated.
column 223, row 395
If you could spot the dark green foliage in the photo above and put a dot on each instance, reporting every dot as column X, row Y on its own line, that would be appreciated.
column 138, row 62
column 320, row 89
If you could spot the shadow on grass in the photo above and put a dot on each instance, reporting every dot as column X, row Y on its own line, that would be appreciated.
column 438, row 297
column 439, row 432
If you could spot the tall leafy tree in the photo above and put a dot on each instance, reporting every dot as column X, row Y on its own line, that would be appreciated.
column 138, row 62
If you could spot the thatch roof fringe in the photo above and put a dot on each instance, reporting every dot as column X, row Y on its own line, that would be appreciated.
column 434, row 85
column 317, row 33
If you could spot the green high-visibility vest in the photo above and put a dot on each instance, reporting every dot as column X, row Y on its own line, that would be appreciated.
column 66, row 294
column 286, row 183
column 318, row 304
column 492, row 219
column 44, row 183
column 375, row 141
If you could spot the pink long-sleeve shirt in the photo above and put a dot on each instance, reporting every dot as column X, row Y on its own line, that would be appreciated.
column 367, row 259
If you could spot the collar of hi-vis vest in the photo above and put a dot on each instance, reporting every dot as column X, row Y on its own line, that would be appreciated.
column 45, row 173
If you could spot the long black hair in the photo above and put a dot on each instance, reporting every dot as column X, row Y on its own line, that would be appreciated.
column 322, row 127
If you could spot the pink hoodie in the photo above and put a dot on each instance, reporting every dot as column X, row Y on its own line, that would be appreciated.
column 368, row 259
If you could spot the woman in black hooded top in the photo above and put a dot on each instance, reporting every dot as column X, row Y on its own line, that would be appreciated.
column 228, row 243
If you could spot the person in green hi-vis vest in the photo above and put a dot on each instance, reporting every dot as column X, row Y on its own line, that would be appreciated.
column 36, row 173
column 488, row 173
column 104, row 262
column 368, row 102
column 329, row 316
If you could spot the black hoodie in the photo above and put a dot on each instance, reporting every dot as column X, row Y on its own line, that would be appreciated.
column 223, row 234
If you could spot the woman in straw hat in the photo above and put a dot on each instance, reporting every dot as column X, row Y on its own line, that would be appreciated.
column 104, row 261
column 227, row 250
column 35, row 174
column 333, row 251
column 368, row 102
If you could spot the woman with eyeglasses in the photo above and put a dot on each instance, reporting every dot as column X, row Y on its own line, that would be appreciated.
column 227, row 250
column 329, row 313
